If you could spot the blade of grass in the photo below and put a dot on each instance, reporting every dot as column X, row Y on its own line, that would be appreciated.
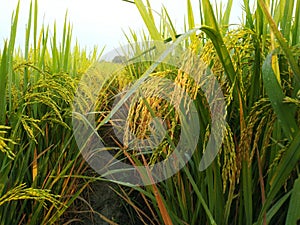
column 3, row 85
column 67, row 49
column 249, row 20
column 42, row 57
column 55, row 54
column 35, row 21
column 226, row 15
column 276, row 207
column 293, row 215
column 170, row 24
column 284, row 112
column 296, row 26
column 286, row 22
column 191, row 19
column 247, row 190
column 282, row 172
column 27, row 40
column 211, row 28
column 148, row 20
column 11, row 46
column 282, row 41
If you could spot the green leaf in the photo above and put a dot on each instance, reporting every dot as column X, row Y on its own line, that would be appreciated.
column 249, row 20
column 222, row 51
column 209, row 15
column 191, row 20
column 11, row 47
column 28, row 29
column 283, row 170
column 148, row 20
column 226, row 16
column 293, row 213
column 284, row 112
column 296, row 25
column 282, row 41
column 3, row 83
column 170, row 24
column 247, row 191
column 277, row 206
column 287, row 19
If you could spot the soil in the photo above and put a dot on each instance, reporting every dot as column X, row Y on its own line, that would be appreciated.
column 107, row 203
column 99, row 205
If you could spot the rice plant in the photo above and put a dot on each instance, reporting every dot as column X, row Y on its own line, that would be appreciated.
column 39, row 157
column 254, row 179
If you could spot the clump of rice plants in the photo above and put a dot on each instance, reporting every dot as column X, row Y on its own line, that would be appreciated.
column 253, row 180
column 255, row 177
column 38, row 154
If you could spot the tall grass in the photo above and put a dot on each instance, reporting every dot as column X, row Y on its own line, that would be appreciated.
column 254, row 179
column 255, row 176
column 39, row 157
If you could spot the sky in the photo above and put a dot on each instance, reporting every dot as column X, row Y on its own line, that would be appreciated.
column 95, row 22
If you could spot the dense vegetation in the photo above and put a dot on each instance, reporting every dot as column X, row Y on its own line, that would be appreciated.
column 253, row 179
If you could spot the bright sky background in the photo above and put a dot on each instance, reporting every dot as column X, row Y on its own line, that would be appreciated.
column 95, row 22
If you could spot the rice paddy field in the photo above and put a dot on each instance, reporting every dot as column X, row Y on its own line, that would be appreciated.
column 248, row 75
